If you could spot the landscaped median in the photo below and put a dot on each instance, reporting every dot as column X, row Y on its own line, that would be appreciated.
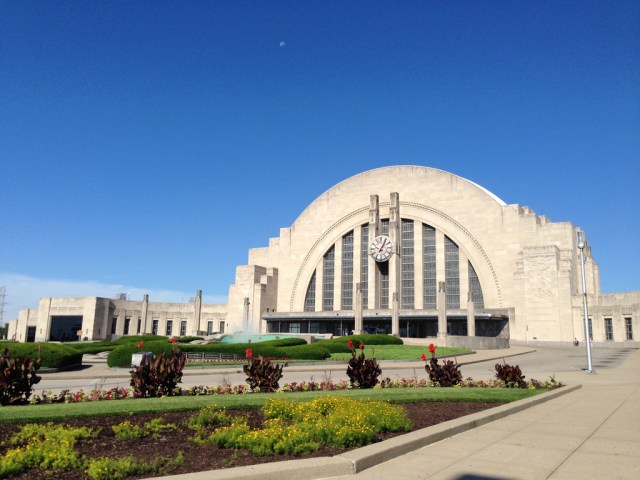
column 179, row 434
column 157, row 427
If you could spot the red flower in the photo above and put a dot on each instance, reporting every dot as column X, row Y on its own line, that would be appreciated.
column 140, row 344
column 432, row 348
column 423, row 357
column 248, row 353
column 350, row 343
column 173, row 340
column 361, row 346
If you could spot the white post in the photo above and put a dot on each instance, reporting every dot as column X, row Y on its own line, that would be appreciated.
column 581, row 245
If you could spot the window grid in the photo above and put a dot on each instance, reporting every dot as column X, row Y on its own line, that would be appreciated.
column 452, row 273
column 406, row 265
column 154, row 326
column 127, row 324
column 347, row 271
column 328, row 263
column 429, row 266
column 209, row 328
column 474, row 288
column 310, row 297
column 628, row 326
column 608, row 328
column 590, row 329
column 364, row 265
column 169, row 328
column 384, row 270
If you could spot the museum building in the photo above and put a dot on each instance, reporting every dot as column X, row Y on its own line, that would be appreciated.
column 405, row 250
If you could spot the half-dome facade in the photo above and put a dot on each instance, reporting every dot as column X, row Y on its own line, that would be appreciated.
column 457, row 262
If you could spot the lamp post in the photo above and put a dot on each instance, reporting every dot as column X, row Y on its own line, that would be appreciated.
column 587, row 338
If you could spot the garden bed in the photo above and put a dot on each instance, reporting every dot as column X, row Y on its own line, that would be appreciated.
column 198, row 457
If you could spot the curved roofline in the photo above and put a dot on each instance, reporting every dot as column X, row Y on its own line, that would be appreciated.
column 498, row 200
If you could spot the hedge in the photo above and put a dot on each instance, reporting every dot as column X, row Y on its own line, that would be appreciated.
column 339, row 344
column 54, row 355
column 121, row 356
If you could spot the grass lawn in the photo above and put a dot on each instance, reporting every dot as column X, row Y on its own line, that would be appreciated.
column 61, row 411
column 400, row 352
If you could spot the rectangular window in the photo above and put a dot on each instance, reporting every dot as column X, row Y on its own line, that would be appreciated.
column 310, row 297
column 183, row 328
column 406, row 265
column 452, row 273
column 154, row 326
column 139, row 324
column 474, row 288
column 221, row 330
column 209, row 328
column 383, row 269
column 294, row 328
column 429, row 266
column 127, row 323
column 327, row 279
column 169, row 328
column 628, row 326
column 608, row 328
column 347, row 271
column 364, row 265
column 590, row 330
column 114, row 324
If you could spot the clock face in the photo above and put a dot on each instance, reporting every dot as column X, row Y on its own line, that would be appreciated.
column 381, row 248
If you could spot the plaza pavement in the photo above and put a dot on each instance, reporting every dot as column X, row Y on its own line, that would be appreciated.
column 589, row 429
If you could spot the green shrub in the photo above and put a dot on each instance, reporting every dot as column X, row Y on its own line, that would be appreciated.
column 54, row 355
column 188, row 339
column 284, row 342
column 92, row 347
column 306, row 352
column 106, row 468
column 137, row 338
column 121, row 355
column 339, row 344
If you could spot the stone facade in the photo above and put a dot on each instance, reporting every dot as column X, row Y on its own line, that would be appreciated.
column 463, row 264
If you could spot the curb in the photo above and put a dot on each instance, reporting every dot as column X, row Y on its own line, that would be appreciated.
column 360, row 459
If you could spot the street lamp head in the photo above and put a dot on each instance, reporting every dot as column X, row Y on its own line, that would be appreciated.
column 580, row 238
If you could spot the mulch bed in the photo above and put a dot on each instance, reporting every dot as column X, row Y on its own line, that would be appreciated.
column 208, row 457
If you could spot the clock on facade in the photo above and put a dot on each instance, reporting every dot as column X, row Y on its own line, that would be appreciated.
column 381, row 248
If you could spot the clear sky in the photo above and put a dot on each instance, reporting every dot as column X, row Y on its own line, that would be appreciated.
column 146, row 146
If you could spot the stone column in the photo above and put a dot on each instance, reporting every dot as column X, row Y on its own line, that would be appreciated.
column 358, row 327
column 442, row 310
column 144, row 328
column 471, row 317
column 395, row 315
column 395, row 263
column 197, row 310
column 374, row 231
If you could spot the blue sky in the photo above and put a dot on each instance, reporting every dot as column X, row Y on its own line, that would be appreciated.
column 146, row 146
